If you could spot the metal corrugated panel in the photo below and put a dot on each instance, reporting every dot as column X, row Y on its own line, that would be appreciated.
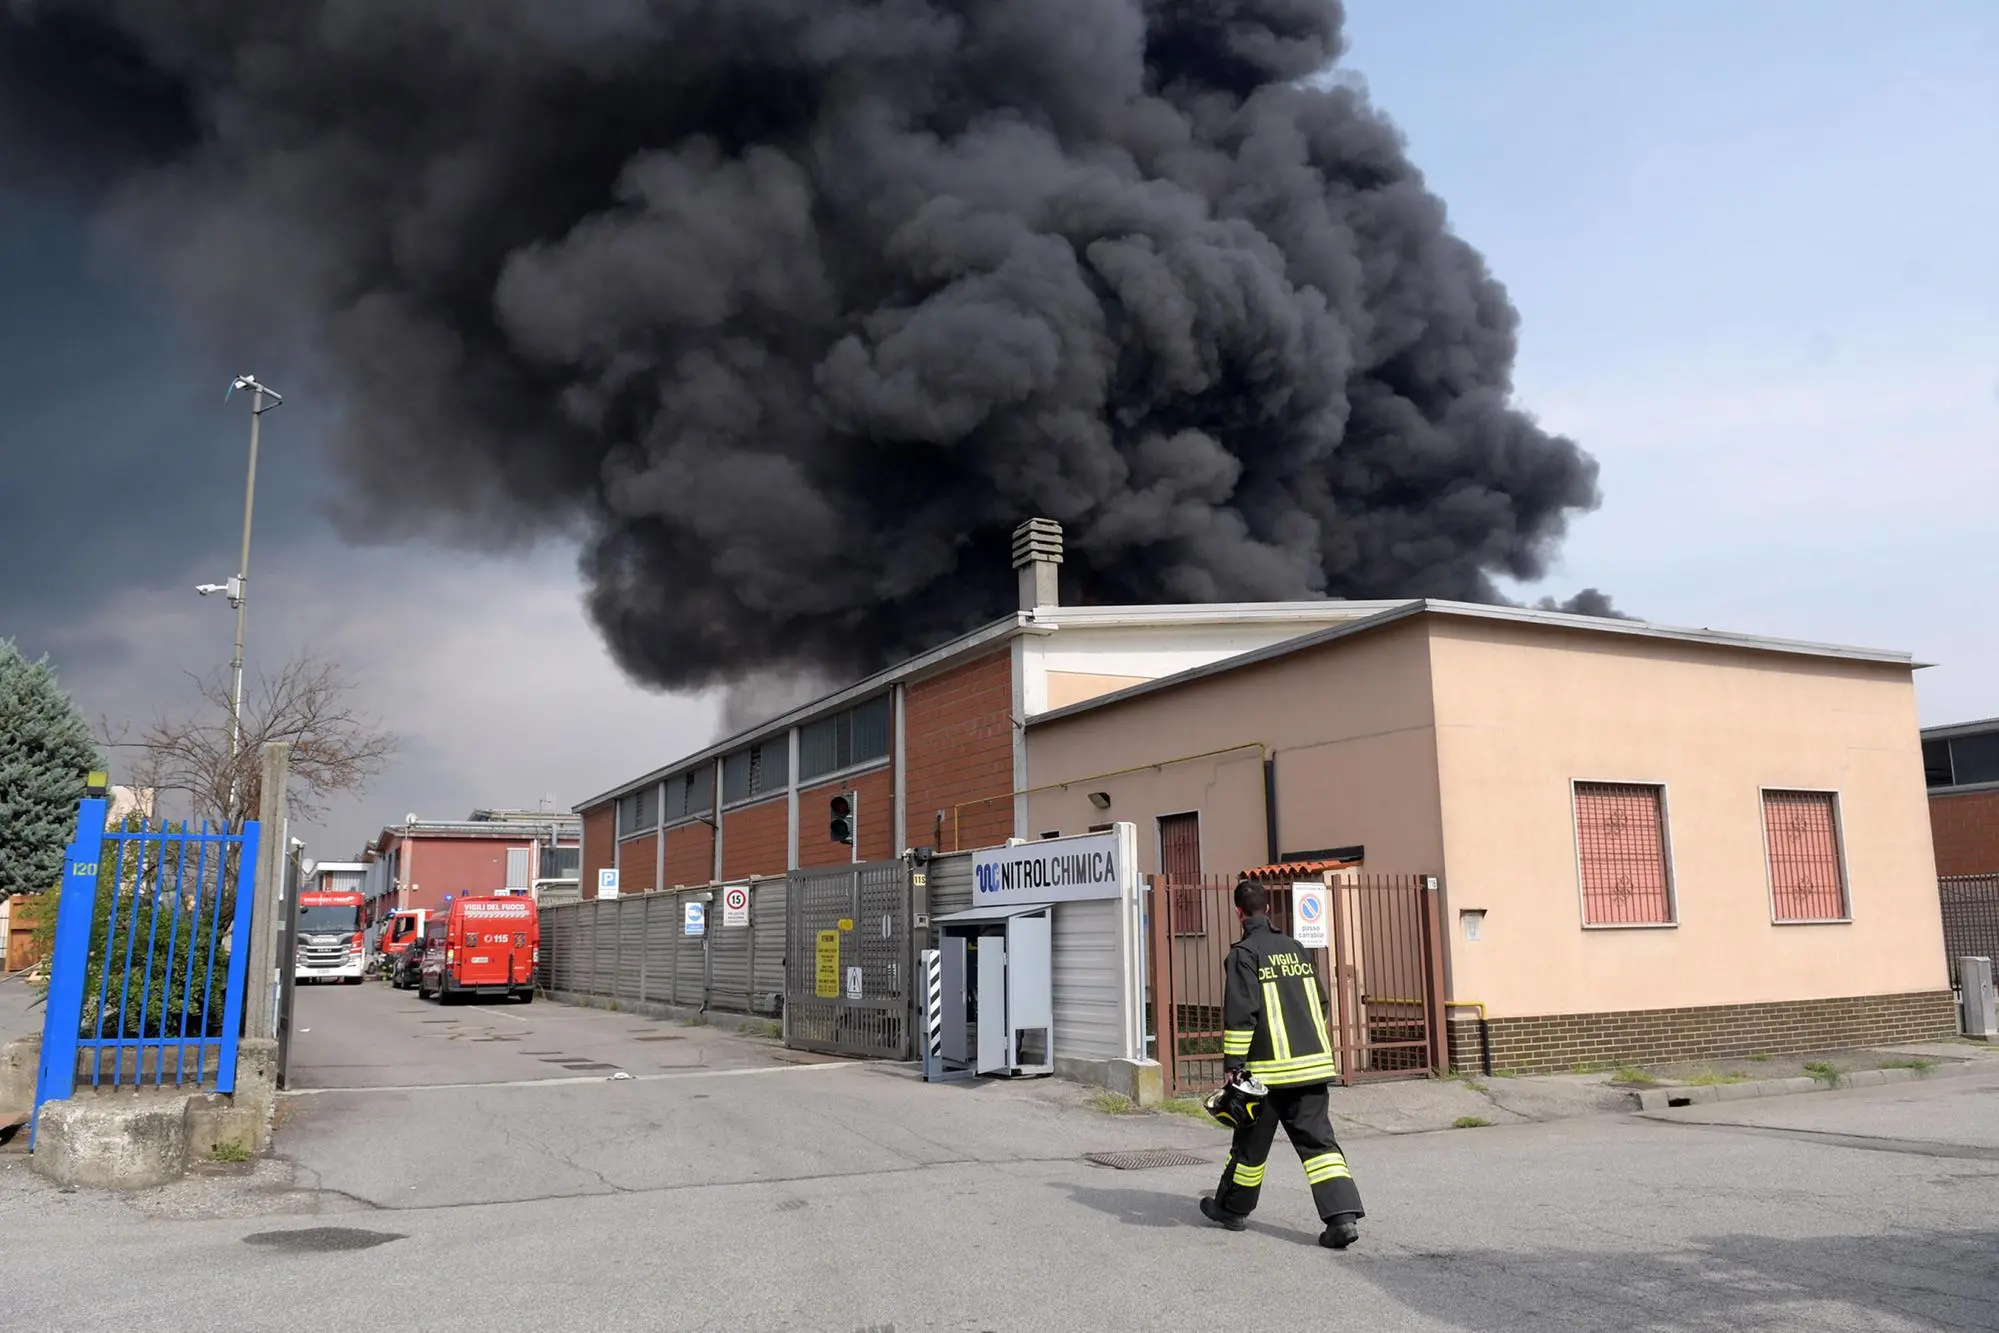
column 582, row 973
column 1089, row 979
column 690, row 956
column 631, row 946
column 603, row 973
column 950, row 884
column 767, row 937
column 728, row 963
column 558, row 945
column 662, row 924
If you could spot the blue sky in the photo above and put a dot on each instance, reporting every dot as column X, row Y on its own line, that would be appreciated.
column 1752, row 247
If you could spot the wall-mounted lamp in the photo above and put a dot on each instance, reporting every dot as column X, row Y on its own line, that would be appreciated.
column 1101, row 799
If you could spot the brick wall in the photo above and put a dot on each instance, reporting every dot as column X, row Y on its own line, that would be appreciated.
column 600, row 829
column 457, row 866
column 1965, row 829
column 815, row 840
column 1558, row 1042
column 958, row 738
column 690, row 854
column 638, row 864
column 756, row 839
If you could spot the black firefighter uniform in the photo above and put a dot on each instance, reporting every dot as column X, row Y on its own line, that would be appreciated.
column 1274, row 1024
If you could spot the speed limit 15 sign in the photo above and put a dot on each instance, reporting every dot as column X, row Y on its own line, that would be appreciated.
column 735, row 906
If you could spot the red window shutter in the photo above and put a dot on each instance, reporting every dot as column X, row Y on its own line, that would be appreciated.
column 1621, row 854
column 1801, row 837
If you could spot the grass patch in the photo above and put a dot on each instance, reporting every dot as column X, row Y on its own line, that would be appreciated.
column 694, row 1021
column 1111, row 1103
column 1824, row 1072
column 1467, row 1080
column 1505, row 1073
column 1631, row 1076
column 1921, row 1064
column 1187, row 1106
column 1470, row 1122
column 1708, row 1078
column 229, row 1152
column 761, row 1027
column 1760, row 1057
column 1586, row 1067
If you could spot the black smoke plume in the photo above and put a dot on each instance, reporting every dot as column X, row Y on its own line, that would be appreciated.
column 794, row 308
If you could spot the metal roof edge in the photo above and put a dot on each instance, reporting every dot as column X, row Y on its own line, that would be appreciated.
column 908, row 669
column 1207, row 613
column 1478, row 610
column 1944, row 731
column 1646, row 629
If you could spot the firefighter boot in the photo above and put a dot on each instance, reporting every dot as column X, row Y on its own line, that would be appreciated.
column 1221, row 1217
column 1341, row 1232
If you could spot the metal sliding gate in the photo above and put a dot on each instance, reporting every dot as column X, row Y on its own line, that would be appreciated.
column 849, row 966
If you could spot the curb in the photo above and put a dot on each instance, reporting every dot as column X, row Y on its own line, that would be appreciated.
column 1661, row 1099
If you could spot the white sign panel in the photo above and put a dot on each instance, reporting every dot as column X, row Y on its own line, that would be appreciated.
column 607, row 883
column 1309, row 915
column 1058, row 870
column 853, row 983
column 697, row 919
column 735, row 906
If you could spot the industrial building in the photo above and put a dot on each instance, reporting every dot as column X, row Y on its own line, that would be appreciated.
column 1961, row 767
column 424, row 863
column 1651, row 843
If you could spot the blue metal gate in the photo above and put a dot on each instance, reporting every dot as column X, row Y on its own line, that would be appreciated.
column 152, row 942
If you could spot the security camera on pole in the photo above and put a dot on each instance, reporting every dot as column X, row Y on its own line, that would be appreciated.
column 238, row 588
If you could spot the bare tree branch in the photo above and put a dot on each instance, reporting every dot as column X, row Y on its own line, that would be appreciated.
column 336, row 750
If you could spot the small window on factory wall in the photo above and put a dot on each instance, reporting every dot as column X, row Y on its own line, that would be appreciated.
column 848, row 739
column 757, row 771
column 689, row 794
column 1807, row 872
column 1974, row 759
column 1621, row 854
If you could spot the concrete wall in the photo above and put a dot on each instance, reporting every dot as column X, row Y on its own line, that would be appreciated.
column 1522, row 711
column 1348, row 725
column 1964, row 829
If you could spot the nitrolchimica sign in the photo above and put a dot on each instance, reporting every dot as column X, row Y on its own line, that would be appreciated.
column 1056, row 871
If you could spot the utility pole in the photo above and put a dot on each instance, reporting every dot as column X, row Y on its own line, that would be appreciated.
column 238, row 588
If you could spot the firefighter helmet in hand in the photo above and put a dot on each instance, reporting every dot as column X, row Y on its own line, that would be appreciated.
column 1237, row 1102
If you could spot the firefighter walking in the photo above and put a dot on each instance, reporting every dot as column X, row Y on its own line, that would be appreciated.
column 1278, row 1059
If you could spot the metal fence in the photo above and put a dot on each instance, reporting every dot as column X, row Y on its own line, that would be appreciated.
column 852, row 963
column 1970, row 918
column 1387, row 1015
column 146, row 979
column 647, row 949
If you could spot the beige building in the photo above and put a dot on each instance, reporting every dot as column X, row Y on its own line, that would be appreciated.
column 1653, row 844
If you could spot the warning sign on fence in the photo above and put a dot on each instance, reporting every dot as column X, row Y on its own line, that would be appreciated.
column 735, row 906
column 1308, row 915
column 827, row 957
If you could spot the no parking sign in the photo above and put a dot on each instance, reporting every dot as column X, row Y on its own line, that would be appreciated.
column 1308, row 915
column 735, row 906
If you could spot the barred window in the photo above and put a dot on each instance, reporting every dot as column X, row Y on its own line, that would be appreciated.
column 690, row 794
column 1621, row 854
column 854, row 736
column 1801, row 840
column 638, row 811
column 757, row 771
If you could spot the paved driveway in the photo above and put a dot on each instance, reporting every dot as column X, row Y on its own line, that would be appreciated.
column 744, row 1193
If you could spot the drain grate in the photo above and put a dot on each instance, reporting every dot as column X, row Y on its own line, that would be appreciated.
column 1145, row 1159
column 321, row 1240
column 665, row 1038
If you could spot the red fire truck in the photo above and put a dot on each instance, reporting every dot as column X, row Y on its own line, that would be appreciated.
column 331, row 941
column 482, row 946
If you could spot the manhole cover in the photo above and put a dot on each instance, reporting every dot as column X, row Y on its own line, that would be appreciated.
column 587, row 1066
column 1145, row 1159
column 666, row 1038
column 321, row 1240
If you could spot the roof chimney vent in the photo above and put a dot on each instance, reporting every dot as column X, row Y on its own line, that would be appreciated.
column 1037, row 551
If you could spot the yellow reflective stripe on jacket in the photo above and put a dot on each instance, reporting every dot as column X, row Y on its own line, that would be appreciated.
column 1320, row 1068
column 1236, row 1041
column 1273, row 1014
column 1248, row 1176
column 1318, row 1016
column 1326, row 1166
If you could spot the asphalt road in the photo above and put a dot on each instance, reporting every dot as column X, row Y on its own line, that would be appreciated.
column 741, row 1192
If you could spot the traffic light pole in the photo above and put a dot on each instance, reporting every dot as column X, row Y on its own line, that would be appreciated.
column 854, row 848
